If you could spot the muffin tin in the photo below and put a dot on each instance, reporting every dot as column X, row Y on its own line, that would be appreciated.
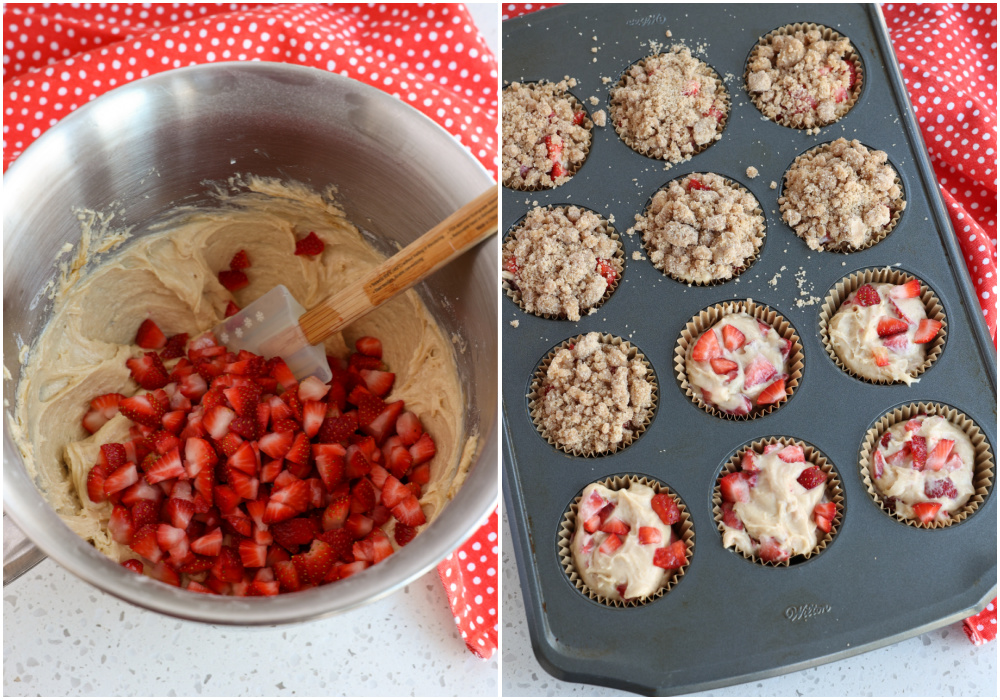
column 729, row 620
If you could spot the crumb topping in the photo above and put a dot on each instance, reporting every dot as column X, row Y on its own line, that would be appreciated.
column 669, row 106
column 546, row 135
column 701, row 228
column 752, row 172
column 561, row 260
column 803, row 80
column 594, row 397
column 841, row 195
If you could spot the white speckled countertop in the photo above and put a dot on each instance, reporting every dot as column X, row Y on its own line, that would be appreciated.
column 939, row 663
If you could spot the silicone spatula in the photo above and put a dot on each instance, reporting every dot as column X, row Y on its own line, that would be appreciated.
column 276, row 325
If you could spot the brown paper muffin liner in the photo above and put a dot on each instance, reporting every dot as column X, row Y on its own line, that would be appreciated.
column 684, row 528
column 758, row 214
column 617, row 262
column 834, row 493
column 536, row 393
column 828, row 35
column 573, row 169
column 887, row 275
column 720, row 127
column 712, row 315
column 895, row 215
column 982, row 470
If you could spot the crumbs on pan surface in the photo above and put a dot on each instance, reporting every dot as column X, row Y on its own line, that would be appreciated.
column 515, row 323
column 752, row 172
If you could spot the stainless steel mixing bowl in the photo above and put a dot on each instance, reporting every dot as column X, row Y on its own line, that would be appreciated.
column 151, row 145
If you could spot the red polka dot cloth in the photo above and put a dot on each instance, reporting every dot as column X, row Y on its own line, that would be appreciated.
column 58, row 57
column 469, row 575
column 947, row 55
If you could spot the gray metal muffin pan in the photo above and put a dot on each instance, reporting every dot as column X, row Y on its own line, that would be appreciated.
column 730, row 620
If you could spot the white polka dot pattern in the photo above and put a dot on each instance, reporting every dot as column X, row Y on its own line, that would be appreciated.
column 470, row 576
column 59, row 57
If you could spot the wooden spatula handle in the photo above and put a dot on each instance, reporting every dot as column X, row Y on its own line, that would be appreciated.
column 474, row 222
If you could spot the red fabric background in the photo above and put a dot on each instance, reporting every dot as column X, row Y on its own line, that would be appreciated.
column 59, row 57
column 947, row 55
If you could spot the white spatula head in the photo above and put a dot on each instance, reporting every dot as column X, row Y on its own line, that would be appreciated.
column 270, row 327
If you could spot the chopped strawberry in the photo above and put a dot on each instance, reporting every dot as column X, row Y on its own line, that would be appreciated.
column 102, row 409
column 148, row 371
column 696, row 184
column 423, row 449
column 732, row 337
column 691, row 88
column 217, row 420
column 918, row 447
column 144, row 543
column 313, row 415
column 721, row 365
column 338, row 429
column 607, row 270
column 578, row 118
column 881, row 357
column 208, row 545
column 757, row 372
column 399, row 461
column 367, row 345
column 730, row 518
column 941, row 488
column 336, row 513
column 735, row 487
column 408, row 428
column 907, row 290
column 938, row 456
column 897, row 343
column 610, row 544
column 95, row 483
column 954, row 462
column 878, row 465
column 867, row 295
column 228, row 566
column 245, row 460
column 791, row 454
column 231, row 309
column 112, row 455
column 240, row 261
column 252, row 555
column 409, row 512
column 310, row 245
column 299, row 452
column 363, row 496
column 707, row 347
column 394, row 492
column 287, row 576
column 287, row 502
column 133, row 565
column 244, row 399
column 378, row 382
column 926, row 512
column 926, row 330
column 149, row 336
column 649, row 535
column 672, row 556
column 553, row 145
column 233, row 280
column 743, row 409
column 771, row 550
column 824, row 514
column 168, row 466
column 772, row 393
column 614, row 526
column 172, row 539
column 120, row 525
column 121, row 478
column 403, row 534
column 382, row 426
column 666, row 508
column 811, row 477
column 748, row 462
column 369, row 408
column 329, row 461
column 890, row 326
column 179, row 512
column 314, row 564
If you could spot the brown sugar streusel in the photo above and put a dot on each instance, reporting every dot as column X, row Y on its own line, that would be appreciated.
column 546, row 135
column 560, row 260
column 841, row 196
column 669, row 105
column 802, row 80
column 701, row 228
column 593, row 396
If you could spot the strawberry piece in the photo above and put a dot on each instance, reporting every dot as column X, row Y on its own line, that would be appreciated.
column 208, row 545
column 313, row 415
column 102, row 409
column 179, row 512
column 95, row 483
column 299, row 451
column 133, row 565
column 940, row 488
column 918, row 448
column 408, row 428
column 233, row 280
column 696, row 184
column 112, row 455
column 174, row 347
column 148, row 371
column 707, row 347
column 878, row 465
column 399, row 461
column 337, row 513
column 735, row 487
column 672, row 556
column 649, row 535
column 199, row 456
column 907, row 290
column 791, row 454
column 408, row 512
column 721, row 365
column 217, row 420
column 691, row 88
column 382, row 426
column 168, row 466
column 313, row 566
column 240, row 261
column 610, row 544
column 938, row 457
column 666, row 508
column 926, row 512
column 337, row 429
column 121, row 478
column 244, row 399
column 120, row 525
column 578, row 118
column 329, row 461
column 771, row 550
column 291, row 534
column 757, row 372
column 287, row 502
column 287, row 576
column 607, row 270
column 403, row 534
column 310, row 245
column 172, row 539
column 144, row 543
column 811, row 477
column 423, row 449
column 553, row 145
column 772, row 393
column 378, row 382
column 824, row 514
column 367, row 345
column 149, row 336
column 420, row 474
column 748, row 462
column 394, row 492
column 245, row 460
column 312, row 389
column 730, row 518
column 228, row 566
column 252, row 555
column 881, row 357
column 276, row 445
column 897, row 343
column 231, row 309
column 867, row 295
column 614, row 526
column 732, row 337
column 890, row 326
column 926, row 330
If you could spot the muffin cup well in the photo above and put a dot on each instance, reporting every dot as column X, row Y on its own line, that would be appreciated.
column 982, row 470
column 587, row 122
column 761, row 227
column 887, row 275
column 834, row 493
column 618, row 262
column 720, row 91
column 895, row 216
column 828, row 35
column 684, row 528
column 536, row 393
column 712, row 315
